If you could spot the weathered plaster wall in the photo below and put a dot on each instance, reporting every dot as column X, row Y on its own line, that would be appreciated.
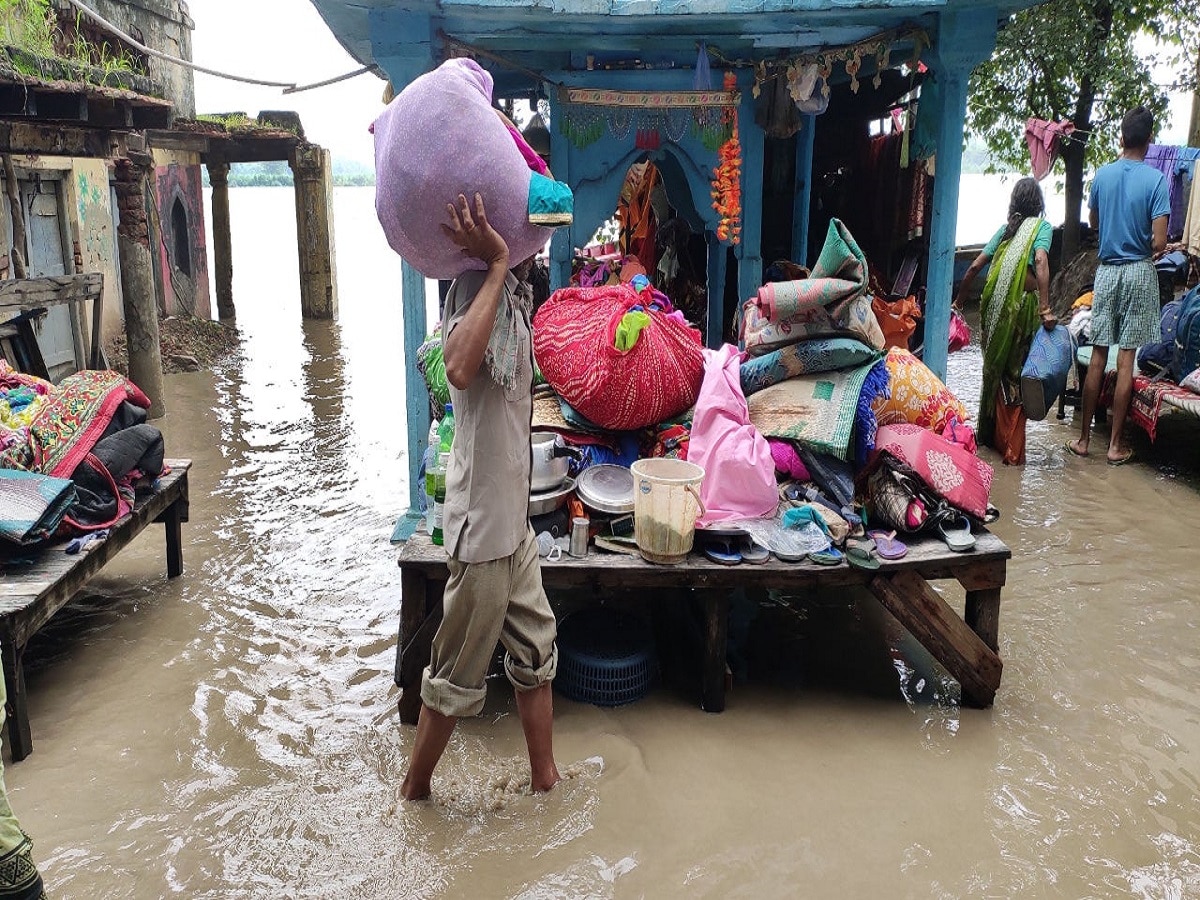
column 89, row 202
column 86, row 195
column 162, row 25
column 178, row 179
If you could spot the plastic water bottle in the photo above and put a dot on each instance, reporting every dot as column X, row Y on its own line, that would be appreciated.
column 445, row 442
column 430, row 463
column 446, row 431
column 439, row 498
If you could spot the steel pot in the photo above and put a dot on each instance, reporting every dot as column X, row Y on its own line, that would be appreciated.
column 550, row 461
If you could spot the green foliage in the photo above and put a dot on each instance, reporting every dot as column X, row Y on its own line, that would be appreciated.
column 228, row 121
column 28, row 24
column 1068, row 59
column 279, row 174
column 32, row 27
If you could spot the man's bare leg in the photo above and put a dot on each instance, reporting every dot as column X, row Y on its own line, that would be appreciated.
column 1117, row 448
column 1091, row 398
column 536, row 709
column 433, row 734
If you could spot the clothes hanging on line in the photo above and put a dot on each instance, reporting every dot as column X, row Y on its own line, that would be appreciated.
column 1044, row 140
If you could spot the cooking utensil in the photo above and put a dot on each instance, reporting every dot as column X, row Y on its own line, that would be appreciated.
column 550, row 461
column 606, row 488
column 544, row 502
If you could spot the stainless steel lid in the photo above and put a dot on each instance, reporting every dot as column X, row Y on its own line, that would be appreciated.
column 606, row 488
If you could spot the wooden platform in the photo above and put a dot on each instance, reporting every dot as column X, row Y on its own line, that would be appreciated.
column 33, row 592
column 966, row 645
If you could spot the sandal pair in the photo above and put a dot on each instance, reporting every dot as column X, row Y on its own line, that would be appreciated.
column 732, row 551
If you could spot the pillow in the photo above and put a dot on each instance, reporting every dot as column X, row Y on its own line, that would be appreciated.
column 440, row 138
column 1192, row 382
column 806, row 358
column 917, row 395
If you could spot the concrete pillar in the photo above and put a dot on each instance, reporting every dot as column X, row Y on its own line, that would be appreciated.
column 717, row 252
column 218, row 176
column 313, row 179
column 753, row 139
column 137, row 279
column 965, row 38
column 802, row 204
column 562, row 243
column 412, row 285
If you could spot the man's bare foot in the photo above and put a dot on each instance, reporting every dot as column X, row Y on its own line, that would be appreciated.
column 539, row 784
column 1078, row 447
column 414, row 792
column 1118, row 456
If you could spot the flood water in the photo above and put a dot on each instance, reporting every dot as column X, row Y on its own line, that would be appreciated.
column 233, row 733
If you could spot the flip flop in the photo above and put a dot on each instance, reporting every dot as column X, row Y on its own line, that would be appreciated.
column 861, row 554
column 721, row 552
column 831, row 557
column 784, row 556
column 752, row 553
column 1070, row 445
column 956, row 532
column 1121, row 460
column 887, row 546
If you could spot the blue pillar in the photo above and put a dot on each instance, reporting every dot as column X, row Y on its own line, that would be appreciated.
column 749, row 251
column 412, row 288
column 562, row 244
column 965, row 38
column 802, row 205
column 716, row 290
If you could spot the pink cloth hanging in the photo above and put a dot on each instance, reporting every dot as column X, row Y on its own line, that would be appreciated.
column 1045, row 142
column 739, row 473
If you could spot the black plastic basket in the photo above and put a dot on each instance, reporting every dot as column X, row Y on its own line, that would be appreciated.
column 605, row 657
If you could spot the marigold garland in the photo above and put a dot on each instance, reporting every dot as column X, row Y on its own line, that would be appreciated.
column 727, row 177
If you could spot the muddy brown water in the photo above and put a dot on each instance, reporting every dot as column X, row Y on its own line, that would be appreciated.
column 233, row 733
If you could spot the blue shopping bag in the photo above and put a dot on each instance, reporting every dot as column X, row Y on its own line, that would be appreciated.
column 1044, row 376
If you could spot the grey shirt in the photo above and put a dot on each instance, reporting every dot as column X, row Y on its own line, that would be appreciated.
column 487, row 482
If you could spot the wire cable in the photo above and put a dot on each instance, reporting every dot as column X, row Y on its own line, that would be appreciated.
column 117, row 32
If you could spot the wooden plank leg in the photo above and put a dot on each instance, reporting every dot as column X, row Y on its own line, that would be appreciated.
column 20, row 738
column 420, row 616
column 920, row 609
column 983, row 615
column 716, row 632
column 172, row 519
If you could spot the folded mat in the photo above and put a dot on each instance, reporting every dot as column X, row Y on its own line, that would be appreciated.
column 821, row 412
column 809, row 357
column 32, row 505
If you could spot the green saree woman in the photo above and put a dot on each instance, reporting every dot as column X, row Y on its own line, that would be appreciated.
column 1015, row 301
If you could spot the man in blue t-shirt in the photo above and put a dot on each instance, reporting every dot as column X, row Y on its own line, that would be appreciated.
column 1129, row 206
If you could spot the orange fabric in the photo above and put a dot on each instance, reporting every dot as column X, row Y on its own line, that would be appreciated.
column 917, row 395
column 1009, row 439
column 897, row 320
column 634, row 209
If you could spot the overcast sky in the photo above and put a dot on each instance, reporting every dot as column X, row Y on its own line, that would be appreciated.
column 287, row 41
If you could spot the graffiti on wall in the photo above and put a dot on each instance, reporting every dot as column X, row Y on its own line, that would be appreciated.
column 95, row 219
column 182, row 254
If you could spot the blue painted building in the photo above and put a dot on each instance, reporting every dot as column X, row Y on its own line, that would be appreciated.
column 869, row 55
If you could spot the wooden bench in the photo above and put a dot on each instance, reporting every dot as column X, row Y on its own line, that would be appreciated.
column 967, row 646
column 31, row 593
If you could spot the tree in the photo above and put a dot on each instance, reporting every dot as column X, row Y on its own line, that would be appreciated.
column 1074, row 60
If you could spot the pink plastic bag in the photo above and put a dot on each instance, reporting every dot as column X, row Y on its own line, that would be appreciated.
column 960, row 332
column 959, row 432
column 440, row 138
column 739, row 473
